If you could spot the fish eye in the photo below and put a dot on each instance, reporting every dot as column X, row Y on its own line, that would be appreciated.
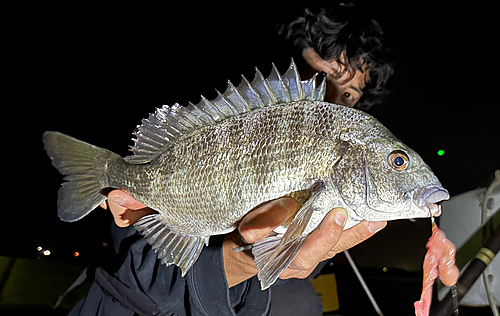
column 399, row 160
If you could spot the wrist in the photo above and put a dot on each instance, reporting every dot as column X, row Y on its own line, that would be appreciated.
column 238, row 266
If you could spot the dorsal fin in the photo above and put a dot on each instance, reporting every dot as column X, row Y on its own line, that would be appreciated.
column 157, row 133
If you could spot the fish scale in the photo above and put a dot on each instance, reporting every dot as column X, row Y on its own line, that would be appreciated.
column 266, row 171
column 205, row 166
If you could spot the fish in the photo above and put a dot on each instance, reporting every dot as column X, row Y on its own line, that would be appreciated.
column 204, row 166
column 439, row 262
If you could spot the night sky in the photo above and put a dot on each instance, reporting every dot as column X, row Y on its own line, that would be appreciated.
column 94, row 73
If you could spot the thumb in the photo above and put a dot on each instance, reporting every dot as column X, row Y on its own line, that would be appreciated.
column 259, row 223
column 124, row 200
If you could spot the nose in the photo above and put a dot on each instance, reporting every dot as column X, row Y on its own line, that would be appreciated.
column 435, row 194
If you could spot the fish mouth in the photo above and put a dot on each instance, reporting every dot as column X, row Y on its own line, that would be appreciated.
column 426, row 198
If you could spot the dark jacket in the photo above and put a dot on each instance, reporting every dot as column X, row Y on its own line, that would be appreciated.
column 142, row 285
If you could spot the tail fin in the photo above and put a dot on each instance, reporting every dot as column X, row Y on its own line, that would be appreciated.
column 85, row 169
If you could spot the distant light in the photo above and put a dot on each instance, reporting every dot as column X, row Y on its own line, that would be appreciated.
column 39, row 248
column 441, row 152
column 76, row 254
column 384, row 269
column 46, row 252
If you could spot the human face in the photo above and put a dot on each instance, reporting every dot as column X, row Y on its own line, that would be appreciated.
column 344, row 85
column 344, row 90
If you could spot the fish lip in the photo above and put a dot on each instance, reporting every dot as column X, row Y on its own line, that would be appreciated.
column 434, row 209
column 426, row 198
column 434, row 194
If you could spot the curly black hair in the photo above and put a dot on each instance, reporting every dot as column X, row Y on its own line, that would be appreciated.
column 343, row 28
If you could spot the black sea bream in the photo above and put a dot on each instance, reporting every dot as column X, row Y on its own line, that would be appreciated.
column 204, row 166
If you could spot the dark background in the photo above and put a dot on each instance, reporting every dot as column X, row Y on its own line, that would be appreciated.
column 94, row 72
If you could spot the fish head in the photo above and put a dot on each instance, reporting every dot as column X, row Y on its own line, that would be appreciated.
column 380, row 179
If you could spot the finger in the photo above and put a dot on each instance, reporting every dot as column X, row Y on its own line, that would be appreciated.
column 261, row 222
column 126, row 210
column 130, row 217
column 125, row 217
column 118, row 212
column 296, row 273
column 104, row 204
column 319, row 243
column 123, row 199
column 355, row 235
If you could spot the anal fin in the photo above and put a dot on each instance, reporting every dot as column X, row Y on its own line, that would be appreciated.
column 171, row 247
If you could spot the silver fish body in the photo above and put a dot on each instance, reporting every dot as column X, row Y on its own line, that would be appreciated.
column 205, row 166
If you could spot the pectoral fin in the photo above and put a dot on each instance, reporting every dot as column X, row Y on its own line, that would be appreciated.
column 272, row 257
column 275, row 253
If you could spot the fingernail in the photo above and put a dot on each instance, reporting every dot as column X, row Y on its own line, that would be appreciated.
column 374, row 227
column 340, row 217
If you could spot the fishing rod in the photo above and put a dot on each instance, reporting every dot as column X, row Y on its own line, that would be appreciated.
column 476, row 267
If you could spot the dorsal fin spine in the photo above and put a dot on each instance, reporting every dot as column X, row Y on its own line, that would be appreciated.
column 182, row 123
column 207, row 109
column 206, row 115
column 167, row 124
column 278, row 86
column 188, row 121
column 321, row 90
column 238, row 98
column 308, row 87
column 177, row 115
column 292, row 79
column 261, row 85
column 192, row 117
column 226, row 102
column 249, row 94
column 210, row 107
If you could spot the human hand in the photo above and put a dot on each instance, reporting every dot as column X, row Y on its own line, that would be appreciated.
column 125, row 209
column 332, row 68
column 322, row 244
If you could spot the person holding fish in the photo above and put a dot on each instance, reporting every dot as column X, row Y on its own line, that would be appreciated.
column 224, row 281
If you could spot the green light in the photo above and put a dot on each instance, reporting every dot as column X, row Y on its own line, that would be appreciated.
column 440, row 152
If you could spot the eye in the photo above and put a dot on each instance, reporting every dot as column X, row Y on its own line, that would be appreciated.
column 347, row 95
column 398, row 160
